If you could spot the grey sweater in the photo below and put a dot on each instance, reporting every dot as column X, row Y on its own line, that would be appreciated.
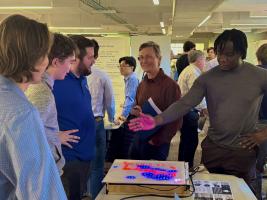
column 233, row 100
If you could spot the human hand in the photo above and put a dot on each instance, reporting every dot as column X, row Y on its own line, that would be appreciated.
column 66, row 137
column 204, row 112
column 252, row 140
column 116, row 121
column 143, row 122
column 136, row 110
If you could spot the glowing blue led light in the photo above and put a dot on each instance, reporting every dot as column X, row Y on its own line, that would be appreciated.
column 172, row 171
column 130, row 177
column 158, row 177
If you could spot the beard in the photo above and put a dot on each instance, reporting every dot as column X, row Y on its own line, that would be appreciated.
column 84, row 70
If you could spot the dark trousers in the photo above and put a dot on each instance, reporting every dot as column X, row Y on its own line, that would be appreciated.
column 94, row 183
column 189, row 138
column 142, row 150
column 238, row 162
column 74, row 178
column 120, row 143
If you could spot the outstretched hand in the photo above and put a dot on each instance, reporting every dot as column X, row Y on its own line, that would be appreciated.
column 143, row 122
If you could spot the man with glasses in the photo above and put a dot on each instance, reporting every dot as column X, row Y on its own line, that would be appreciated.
column 127, row 67
column 121, row 138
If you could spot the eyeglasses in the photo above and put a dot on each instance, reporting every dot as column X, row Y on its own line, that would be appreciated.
column 123, row 66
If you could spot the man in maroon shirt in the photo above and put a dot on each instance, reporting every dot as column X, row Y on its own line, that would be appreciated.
column 163, row 91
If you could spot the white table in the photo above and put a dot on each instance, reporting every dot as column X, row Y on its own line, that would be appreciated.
column 239, row 188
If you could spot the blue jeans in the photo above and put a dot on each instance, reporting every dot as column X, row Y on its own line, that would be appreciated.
column 94, row 183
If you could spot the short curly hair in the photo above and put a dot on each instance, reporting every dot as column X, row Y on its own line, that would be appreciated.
column 239, row 39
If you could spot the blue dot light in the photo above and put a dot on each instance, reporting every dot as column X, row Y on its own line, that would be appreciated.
column 131, row 177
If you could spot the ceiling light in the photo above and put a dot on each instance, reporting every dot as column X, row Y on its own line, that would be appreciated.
column 76, row 28
column 163, row 31
column 24, row 7
column 156, row 2
column 258, row 14
column 204, row 21
column 252, row 24
column 179, row 36
column 192, row 32
column 88, row 33
column 161, row 24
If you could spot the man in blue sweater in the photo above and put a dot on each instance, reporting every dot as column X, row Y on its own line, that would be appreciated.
column 73, row 102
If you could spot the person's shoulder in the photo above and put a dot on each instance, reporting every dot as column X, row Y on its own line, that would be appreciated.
column 168, row 80
column 14, row 105
column 37, row 89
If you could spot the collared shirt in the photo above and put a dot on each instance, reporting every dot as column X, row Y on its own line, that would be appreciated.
column 211, row 64
column 74, row 110
column 27, row 168
column 42, row 98
column 163, row 91
column 233, row 99
column 100, row 87
column 186, row 80
column 131, row 84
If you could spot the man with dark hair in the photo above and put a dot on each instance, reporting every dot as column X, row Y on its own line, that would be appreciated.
column 100, row 87
column 27, row 168
column 61, row 56
column 182, row 61
column 211, row 53
column 233, row 91
column 127, row 67
column 121, row 138
column 212, row 60
column 73, row 103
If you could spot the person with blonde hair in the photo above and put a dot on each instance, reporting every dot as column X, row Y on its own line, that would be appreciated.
column 27, row 167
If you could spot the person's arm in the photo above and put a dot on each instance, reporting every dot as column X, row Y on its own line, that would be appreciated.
column 130, row 92
column 182, row 106
column 41, row 97
column 174, row 111
column 32, row 168
column 109, row 100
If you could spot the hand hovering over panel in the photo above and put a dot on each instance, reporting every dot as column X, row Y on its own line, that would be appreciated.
column 143, row 122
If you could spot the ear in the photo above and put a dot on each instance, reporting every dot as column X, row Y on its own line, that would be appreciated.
column 160, row 60
column 54, row 62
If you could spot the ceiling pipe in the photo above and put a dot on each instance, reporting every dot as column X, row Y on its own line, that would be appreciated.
column 95, row 5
